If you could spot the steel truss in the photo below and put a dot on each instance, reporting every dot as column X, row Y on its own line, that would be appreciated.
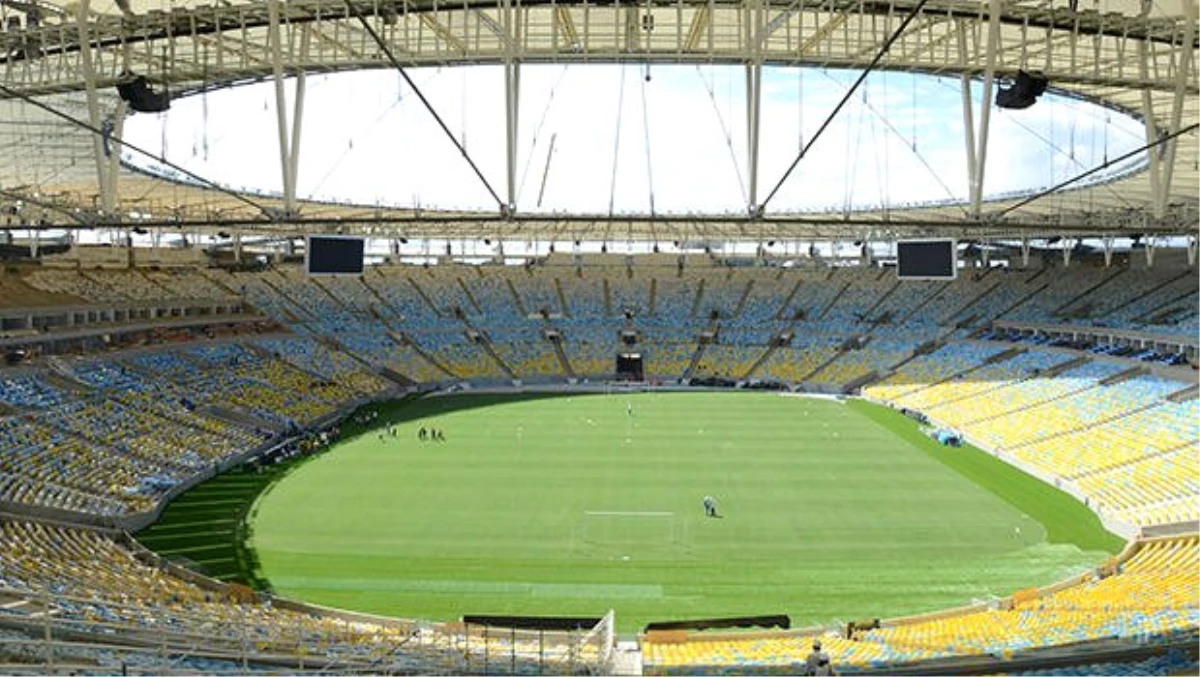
column 1131, row 60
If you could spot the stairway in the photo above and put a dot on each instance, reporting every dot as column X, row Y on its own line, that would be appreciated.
column 699, row 298
column 240, row 418
column 424, row 297
column 470, row 297
column 874, row 306
column 832, row 302
column 701, row 347
column 562, row 298
column 823, row 365
column 406, row 340
column 1061, row 310
column 562, row 357
column 382, row 303
column 970, row 302
column 520, row 305
column 761, row 358
column 787, row 302
column 487, row 346
column 737, row 310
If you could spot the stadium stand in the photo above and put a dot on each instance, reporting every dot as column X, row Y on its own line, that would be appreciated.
column 1149, row 597
column 111, row 436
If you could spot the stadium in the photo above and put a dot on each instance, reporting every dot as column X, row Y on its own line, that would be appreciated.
column 665, row 338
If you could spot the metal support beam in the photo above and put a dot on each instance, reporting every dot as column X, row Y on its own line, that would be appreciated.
column 512, row 104
column 275, row 36
column 109, row 197
column 754, row 38
column 93, row 108
column 1183, row 77
column 968, row 106
column 985, row 105
column 298, row 118
column 1154, row 167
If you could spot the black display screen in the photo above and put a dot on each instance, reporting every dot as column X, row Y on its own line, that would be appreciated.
column 328, row 255
column 929, row 259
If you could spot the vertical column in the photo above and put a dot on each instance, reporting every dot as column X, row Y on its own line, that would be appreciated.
column 754, row 38
column 512, row 102
column 108, row 198
column 985, row 113
column 298, row 116
column 275, row 37
column 1184, row 69
column 93, row 104
column 1154, row 168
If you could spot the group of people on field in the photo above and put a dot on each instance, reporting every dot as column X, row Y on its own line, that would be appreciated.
column 431, row 435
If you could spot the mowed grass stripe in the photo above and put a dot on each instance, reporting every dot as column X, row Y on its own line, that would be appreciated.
column 829, row 512
column 194, row 523
column 1067, row 520
column 454, row 586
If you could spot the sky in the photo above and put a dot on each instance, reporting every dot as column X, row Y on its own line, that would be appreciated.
column 675, row 143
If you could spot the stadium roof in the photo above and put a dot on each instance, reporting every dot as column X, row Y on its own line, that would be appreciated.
column 60, row 113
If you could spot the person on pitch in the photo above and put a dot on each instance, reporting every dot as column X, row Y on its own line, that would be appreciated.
column 710, row 507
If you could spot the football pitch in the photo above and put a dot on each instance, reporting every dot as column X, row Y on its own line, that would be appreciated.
column 572, row 505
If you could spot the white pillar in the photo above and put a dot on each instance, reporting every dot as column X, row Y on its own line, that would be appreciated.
column 754, row 27
column 985, row 113
column 275, row 36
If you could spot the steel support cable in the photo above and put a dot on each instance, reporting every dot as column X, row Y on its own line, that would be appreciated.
column 1054, row 147
column 854, row 155
column 910, row 142
column 1101, row 167
column 537, row 131
column 646, row 132
column 387, row 51
column 912, row 14
column 708, row 87
column 265, row 211
column 612, row 186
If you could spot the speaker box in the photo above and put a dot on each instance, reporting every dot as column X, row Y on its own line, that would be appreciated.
column 137, row 93
column 1023, row 93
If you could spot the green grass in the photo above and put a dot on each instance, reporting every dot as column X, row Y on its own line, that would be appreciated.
column 831, row 511
column 204, row 528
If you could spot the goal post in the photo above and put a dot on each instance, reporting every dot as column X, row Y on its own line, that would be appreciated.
column 646, row 528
